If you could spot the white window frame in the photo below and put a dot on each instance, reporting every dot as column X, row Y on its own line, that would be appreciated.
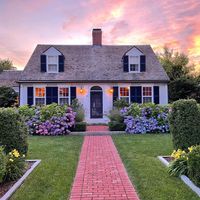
column 152, row 94
column 48, row 63
column 39, row 97
column 69, row 96
column 124, row 96
column 129, row 63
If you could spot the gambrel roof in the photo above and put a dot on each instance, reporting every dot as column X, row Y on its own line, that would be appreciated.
column 91, row 63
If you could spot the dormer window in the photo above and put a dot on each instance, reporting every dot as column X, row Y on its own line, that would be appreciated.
column 52, row 64
column 134, row 64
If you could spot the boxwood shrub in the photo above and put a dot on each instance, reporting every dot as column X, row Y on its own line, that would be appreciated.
column 185, row 124
column 14, row 133
column 116, row 126
column 80, row 126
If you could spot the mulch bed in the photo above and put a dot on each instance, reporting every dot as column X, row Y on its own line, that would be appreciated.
column 4, row 187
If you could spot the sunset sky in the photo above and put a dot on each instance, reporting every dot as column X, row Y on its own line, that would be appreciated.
column 26, row 23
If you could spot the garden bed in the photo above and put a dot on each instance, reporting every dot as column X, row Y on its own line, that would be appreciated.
column 8, row 188
column 166, row 160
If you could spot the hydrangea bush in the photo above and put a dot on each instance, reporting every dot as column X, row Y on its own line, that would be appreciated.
column 146, row 118
column 51, row 120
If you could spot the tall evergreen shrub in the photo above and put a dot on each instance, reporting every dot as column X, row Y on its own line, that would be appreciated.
column 13, row 131
column 185, row 123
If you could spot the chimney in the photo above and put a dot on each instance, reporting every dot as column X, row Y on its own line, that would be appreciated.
column 97, row 36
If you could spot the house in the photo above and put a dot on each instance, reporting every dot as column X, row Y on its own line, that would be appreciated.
column 96, row 75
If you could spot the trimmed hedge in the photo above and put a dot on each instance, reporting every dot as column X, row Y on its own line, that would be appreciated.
column 13, row 133
column 185, row 124
column 116, row 126
column 79, row 127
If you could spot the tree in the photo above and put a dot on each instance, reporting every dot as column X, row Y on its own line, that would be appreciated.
column 6, row 64
column 184, row 88
column 175, row 64
column 8, row 96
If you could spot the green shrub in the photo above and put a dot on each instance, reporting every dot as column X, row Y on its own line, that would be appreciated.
column 80, row 126
column 26, row 111
column 8, row 97
column 185, row 124
column 120, row 103
column 14, row 133
column 116, row 116
column 15, row 166
column 79, row 110
column 2, row 164
column 48, row 111
column 116, row 126
column 194, row 165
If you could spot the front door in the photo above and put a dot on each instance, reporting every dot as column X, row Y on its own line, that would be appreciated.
column 96, row 104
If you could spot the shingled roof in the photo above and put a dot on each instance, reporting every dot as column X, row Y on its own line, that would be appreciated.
column 88, row 63
column 9, row 78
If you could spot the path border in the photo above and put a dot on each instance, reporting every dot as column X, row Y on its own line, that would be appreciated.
column 184, row 178
column 13, row 189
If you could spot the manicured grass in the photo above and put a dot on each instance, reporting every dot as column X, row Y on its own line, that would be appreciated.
column 150, row 177
column 53, row 178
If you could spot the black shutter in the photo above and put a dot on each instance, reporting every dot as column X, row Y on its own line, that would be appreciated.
column 51, row 95
column 125, row 60
column 142, row 63
column 43, row 62
column 115, row 93
column 156, row 94
column 30, row 96
column 72, row 94
column 61, row 63
column 136, row 94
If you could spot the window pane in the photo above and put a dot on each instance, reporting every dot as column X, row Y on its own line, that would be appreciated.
column 124, row 91
column 134, row 67
column 64, row 92
column 134, row 59
column 126, row 99
column 64, row 101
column 52, row 68
column 147, row 99
column 39, row 101
column 39, row 92
column 52, row 60
column 147, row 91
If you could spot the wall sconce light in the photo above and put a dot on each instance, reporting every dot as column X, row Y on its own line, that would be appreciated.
column 111, row 90
column 81, row 90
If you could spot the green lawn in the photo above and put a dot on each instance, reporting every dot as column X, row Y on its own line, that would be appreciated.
column 52, row 179
column 139, row 154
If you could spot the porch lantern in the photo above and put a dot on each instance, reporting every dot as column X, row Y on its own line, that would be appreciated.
column 81, row 90
column 111, row 90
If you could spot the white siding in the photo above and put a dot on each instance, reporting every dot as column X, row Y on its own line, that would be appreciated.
column 84, row 98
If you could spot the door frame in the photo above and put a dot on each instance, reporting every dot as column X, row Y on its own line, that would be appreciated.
column 100, row 91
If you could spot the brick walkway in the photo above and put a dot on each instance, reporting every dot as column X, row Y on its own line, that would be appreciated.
column 97, row 128
column 101, row 173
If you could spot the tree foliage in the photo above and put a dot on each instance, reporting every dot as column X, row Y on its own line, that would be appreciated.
column 6, row 64
column 8, row 96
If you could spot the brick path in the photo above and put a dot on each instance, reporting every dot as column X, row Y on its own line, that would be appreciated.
column 101, row 173
column 97, row 128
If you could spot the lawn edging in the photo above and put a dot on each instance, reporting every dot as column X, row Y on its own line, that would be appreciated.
column 12, row 190
column 184, row 178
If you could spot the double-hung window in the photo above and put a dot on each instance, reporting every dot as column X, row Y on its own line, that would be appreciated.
column 134, row 64
column 52, row 66
column 64, row 95
column 147, row 94
column 124, row 94
column 39, row 96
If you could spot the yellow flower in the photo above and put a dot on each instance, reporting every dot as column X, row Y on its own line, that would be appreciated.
column 190, row 148
column 11, row 160
column 178, row 154
column 15, row 153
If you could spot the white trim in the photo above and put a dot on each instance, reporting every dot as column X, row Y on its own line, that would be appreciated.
column 129, row 97
column 129, row 64
column 152, row 93
column 69, row 95
column 34, row 93
column 47, row 64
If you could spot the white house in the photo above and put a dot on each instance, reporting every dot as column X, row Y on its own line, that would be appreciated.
column 96, row 75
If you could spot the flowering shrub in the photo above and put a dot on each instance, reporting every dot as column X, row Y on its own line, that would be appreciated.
column 146, row 118
column 58, row 124
column 186, row 162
